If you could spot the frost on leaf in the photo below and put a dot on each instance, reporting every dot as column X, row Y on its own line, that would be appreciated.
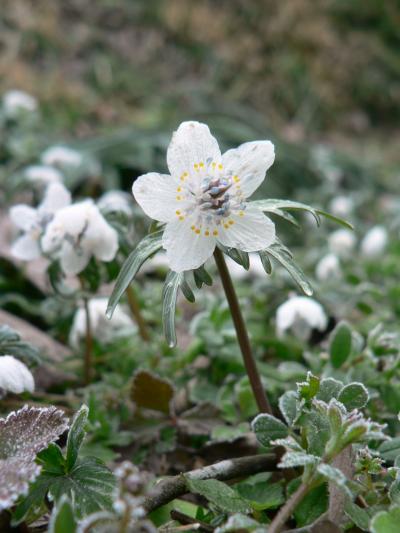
column 22, row 435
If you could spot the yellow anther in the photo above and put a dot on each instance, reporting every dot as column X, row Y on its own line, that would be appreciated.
column 241, row 213
column 196, row 166
column 181, row 217
column 236, row 179
column 220, row 166
column 179, row 198
column 201, row 164
column 193, row 227
column 231, row 222
column 197, row 231
column 206, row 233
column 214, row 164
column 179, row 189
column 226, row 226
column 183, row 177
column 215, row 232
column 178, row 212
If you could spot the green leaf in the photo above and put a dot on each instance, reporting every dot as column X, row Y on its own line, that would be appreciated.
column 354, row 396
column 313, row 505
column 288, row 406
column 293, row 459
column 335, row 476
column 265, row 261
column 386, row 521
column 201, row 276
column 329, row 388
column 394, row 490
column 281, row 254
column 261, row 495
column 390, row 449
column 309, row 388
column 187, row 291
column 146, row 248
column 357, row 515
column 62, row 518
column 340, row 344
column 52, row 459
column 169, row 296
column 268, row 428
column 240, row 257
column 240, row 522
column 219, row 494
column 75, row 436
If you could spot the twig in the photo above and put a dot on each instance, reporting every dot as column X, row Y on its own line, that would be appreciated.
column 242, row 335
column 172, row 488
column 185, row 519
column 137, row 314
column 286, row 511
column 337, row 498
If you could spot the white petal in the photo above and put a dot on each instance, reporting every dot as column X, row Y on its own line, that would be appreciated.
column 15, row 376
column 191, row 144
column 250, row 161
column 72, row 261
column 251, row 232
column 26, row 248
column 43, row 174
column 100, row 238
column 55, row 197
column 23, row 216
column 156, row 194
column 186, row 249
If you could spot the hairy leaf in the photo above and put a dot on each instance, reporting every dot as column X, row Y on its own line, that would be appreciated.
column 218, row 494
column 268, row 428
column 340, row 344
column 354, row 396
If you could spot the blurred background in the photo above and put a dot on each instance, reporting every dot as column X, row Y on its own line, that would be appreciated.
column 319, row 77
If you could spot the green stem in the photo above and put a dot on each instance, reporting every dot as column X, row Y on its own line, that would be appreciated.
column 242, row 335
column 137, row 314
column 88, row 345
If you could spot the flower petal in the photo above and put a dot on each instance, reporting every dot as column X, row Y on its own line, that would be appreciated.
column 249, row 231
column 73, row 262
column 250, row 161
column 191, row 145
column 26, row 248
column 56, row 197
column 185, row 248
column 100, row 238
column 157, row 196
column 23, row 216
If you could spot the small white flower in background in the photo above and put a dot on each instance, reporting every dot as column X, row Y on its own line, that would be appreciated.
column 33, row 221
column 375, row 242
column 300, row 315
column 43, row 175
column 76, row 233
column 103, row 329
column 341, row 206
column 203, row 201
column 15, row 102
column 15, row 376
column 328, row 268
column 342, row 242
column 62, row 156
column 115, row 202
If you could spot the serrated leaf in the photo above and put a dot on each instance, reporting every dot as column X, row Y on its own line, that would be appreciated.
column 288, row 406
column 357, row 515
column 152, row 392
column 201, row 276
column 293, row 459
column 146, row 248
column 169, row 297
column 386, row 521
column 340, row 344
column 219, row 494
column 329, row 388
column 279, row 253
column 62, row 518
column 354, row 396
column 268, row 428
column 75, row 436
column 22, row 435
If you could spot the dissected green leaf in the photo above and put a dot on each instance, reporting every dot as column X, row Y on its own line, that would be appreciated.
column 169, row 297
column 268, row 428
column 152, row 392
column 340, row 344
column 146, row 248
column 240, row 257
column 75, row 436
column 219, row 494
column 11, row 344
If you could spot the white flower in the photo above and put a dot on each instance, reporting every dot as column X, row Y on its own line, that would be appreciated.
column 102, row 329
column 300, row 315
column 328, row 268
column 115, row 201
column 33, row 222
column 43, row 174
column 203, row 201
column 341, row 206
column 62, row 156
column 342, row 242
column 76, row 233
column 15, row 376
column 374, row 242
column 15, row 102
